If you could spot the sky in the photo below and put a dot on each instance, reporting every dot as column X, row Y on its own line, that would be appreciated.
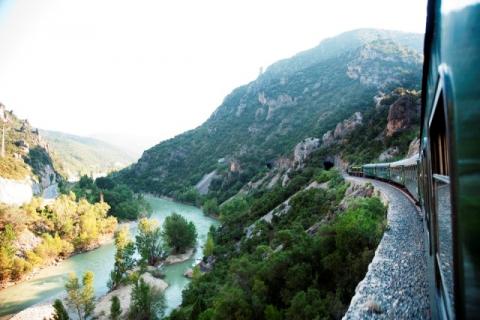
column 146, row 70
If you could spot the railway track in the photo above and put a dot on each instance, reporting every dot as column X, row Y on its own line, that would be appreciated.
column 395, row 286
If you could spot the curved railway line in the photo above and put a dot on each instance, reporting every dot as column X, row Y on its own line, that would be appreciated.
column 396, row 283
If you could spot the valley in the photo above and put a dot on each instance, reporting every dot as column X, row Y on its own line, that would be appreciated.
column 291, row 236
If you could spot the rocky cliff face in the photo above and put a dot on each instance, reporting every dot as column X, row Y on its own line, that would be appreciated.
column 413, row 148
column 368, row 66
column 342, row 129
column 402, row 114
column 27, row 168
column 304, row 149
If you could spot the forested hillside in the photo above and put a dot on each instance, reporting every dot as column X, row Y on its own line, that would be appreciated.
column 82, row 155
column 260, row 123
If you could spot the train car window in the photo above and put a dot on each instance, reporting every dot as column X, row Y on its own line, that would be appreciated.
column 441, row 208
column 438, row 140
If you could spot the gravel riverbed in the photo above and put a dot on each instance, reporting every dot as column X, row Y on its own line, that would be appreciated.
column 395, row 286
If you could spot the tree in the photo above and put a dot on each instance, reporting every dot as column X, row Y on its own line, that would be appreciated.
column 178, row 233
column 60, row 312
column 272, row 313
column 146, row 303
column 81, row 298
column 232, row 303
column 307, row 305
column 148, row 241
column 124, row 261
column 7, row 251
column 115, row 309
column 105, row 183
column 88, row 294
column 209, row 246
column 211, row 206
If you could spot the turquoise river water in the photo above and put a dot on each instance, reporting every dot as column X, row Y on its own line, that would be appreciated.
column 49, row 282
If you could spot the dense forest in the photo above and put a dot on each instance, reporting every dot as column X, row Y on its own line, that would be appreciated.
column 304, row 263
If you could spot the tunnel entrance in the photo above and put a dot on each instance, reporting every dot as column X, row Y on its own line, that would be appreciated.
column 328, row 164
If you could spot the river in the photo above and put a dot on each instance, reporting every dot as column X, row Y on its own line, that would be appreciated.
column 49, row 282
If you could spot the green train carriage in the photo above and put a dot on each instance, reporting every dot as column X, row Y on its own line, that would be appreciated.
column 450, row 157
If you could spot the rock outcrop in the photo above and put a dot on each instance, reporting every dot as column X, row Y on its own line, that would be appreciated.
column 304, row 149
column 282, row 100
column 342, row 129
column 177, row 258
column 401, row 115
column 369, row 65
column 389, row 154
column 26, row 241
column 204, row 184
column 413, row 148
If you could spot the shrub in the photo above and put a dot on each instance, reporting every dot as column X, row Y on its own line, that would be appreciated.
column 115, row 309
column 60, row 313
column 146, row 303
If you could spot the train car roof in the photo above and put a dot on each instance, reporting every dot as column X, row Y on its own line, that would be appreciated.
column 406, row 162
column 375, row 165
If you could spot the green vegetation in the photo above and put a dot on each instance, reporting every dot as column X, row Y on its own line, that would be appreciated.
column 124, row 204
column 146, row 303
column 61, row 228
column 209, row 246
column 304, row 265
column 210, row 207
column 60, row 312
column 38, row 158
column 148, row 241
column 124, row 260
column 178, row 233
column 115, row 309
column 7, row 252
column 81, row 298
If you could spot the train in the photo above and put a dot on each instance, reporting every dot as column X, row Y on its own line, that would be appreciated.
column 403, row 173
column 444, row 177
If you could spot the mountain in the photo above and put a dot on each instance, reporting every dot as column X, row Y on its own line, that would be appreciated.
column 262, row 122
column 27, row 166
column 84, row 155
column 132, row 144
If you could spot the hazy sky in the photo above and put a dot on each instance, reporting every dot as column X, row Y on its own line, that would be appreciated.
column 157, row 68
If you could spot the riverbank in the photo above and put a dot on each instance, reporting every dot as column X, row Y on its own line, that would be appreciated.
column 44, row 310
column 103, row 304
column 104, row 239
column 49, row 283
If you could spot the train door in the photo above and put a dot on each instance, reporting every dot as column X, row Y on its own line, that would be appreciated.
column 440, row 207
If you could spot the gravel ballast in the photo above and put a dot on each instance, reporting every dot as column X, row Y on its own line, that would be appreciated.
column 395, row 286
